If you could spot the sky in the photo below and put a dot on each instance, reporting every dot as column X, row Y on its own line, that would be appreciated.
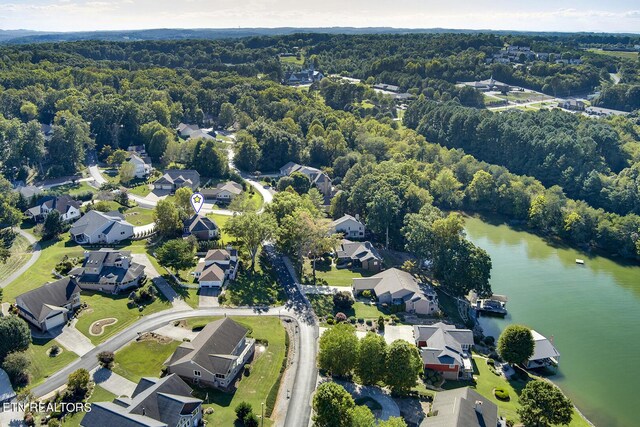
column 539, row 15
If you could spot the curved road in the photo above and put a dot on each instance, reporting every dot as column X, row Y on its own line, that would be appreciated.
column 34, row 257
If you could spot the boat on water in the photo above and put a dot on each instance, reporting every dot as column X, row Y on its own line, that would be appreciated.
column 579, row 261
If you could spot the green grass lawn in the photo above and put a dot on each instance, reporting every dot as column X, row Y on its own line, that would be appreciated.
column 330, row 275
column 42, row 365
column 258, row 288
column 20, row 253
column 485, row 382
column 618, row 54
column 40, row 273
column 292, row 60
column 265, row 372
column 141, row 190
column 138, row 216
column 221, row 220
column 323, row 306
column 74, row 189
column 102, row 306
column 98, row 395
column 143, row 359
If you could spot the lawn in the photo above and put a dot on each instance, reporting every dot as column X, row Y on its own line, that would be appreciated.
column 221, row 220
column 74, row 189
column 486, row 381
column 42, row 365
column 254, row 289
column 143, row 359
column 40, row 273
column 20, row 253
column 102, row 306
column 292, row 60
column 141, row 190
column 98, row 395
column 616, row 53
column 265, row 372
column 139, row 216
column 330, row 275
column 323, row 306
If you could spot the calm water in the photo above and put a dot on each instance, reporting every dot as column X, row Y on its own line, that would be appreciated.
column 592, row 312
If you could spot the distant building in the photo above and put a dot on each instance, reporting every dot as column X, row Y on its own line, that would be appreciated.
column 201, row 227
column 396, row 287
column 216, row 267
column 359, row 255
column 490, row 85
column 156, row 402
column 68, row 208
column 99, row 227
column 303, row 77
column 544, row 353
column 318, row 178
column 462, row 407
column 215, row 357
column 178, row 178
column 387, row 87
column 445, row 349
column 224, row 192
column 185, row 130
column 572, row 104
column 350, row 226
column 108, row 270
column 48, row 306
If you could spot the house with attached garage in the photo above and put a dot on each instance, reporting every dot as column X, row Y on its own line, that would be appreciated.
column 445, row 349
column 350, row 226
column 177, row 178
column 397, row 287
column 108, row 270
column 68, row 208
column 201, row 227
column 216, row 267
column 462, row 407
column 215, row 357
column 224, row 192
column 50, row 305
column 101, row 227
column 141, row 164
column 359, row 255
column 155, row 402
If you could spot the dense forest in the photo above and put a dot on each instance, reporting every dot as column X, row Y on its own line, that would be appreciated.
column 558, row 174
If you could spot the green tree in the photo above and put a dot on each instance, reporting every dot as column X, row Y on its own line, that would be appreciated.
column 481, row 191
column 127, row 172
column 14, row 335
column 446, row 189
column 299, row 182
column 5, row 254
column 67, row 146
column 403, row 366
column 177, row 254
column 247, row 152
column 382, row 211
column 252, row 229
column 332, row 406
column 117, row 157
column 361, row 416
column 371, row 359
column 338, row 349
column 182, row 200
column 78, row 385
column 17, row 365
column 542, row 404
column 106, row 359
column 209, row 160
column 28, row 110
column 167, row 219
column 53, row 225
column 516, row 344
column 392, row 422
column 242, row 409
column 227, row 115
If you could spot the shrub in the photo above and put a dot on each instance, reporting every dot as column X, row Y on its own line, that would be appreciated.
column 343, row 300
column 106, row 359
column 222, row 299
column 366, row 293
column 54, row 350
column 491, row 362
column 369, row 322
column 53, row 423
column 330, row 321
column 360, row 320
column 501, row 394
column 341, row 317
column 489, row 340
column 247, row 370
column 381, row 323
column 243, row 409
column 352, row 320
column 251, row 420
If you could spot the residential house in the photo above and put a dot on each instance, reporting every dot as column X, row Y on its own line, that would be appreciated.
column 572, row 104
column 201, row 134
column 49, row 306
column 101, row 227
column 142, row 165
column 359, row 255
column 350, row 226
column 445, row 349
column 68, row 208
column 303, row 77
column 156, row 402
column 47, row 130
column 318, row 178
column 185, row 130
column 178, row 178
column 224, row 192
column 201, row 227
column 544, row 353
column 108, row 270
column 397, row 287
column 28, row 191
column 216, row 267
column 386, row 87
column 6, row 389
column 462, row 407
column 215, row 356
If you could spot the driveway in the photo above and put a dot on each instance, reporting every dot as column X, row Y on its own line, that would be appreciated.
column 114, row 383
column 34, row 257
column 169, row 293
column 402, row 332
column 209, row 298
column 389, row 406
column 73, row 340
column 96, row 175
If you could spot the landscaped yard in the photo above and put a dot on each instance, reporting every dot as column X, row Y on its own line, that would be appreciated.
column 254, row 289
column 99, row 395
column 138, row 216
column 42, row 365
column 221, row 220
column 143, row 359
column 265, row 371
column 74, row 189
column 104, row 306
column 323, row 306
column 20, row 254
column 330, row 275
column 141, row 190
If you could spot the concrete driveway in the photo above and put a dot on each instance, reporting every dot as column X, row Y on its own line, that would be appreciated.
column 209, row 298
column 73, row 340
column 169, row 293
column 402, row 332
column 176, row 332
column 114, row 383
column 389, row 406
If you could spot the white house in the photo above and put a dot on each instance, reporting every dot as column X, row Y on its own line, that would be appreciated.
column 142, row 166
column 224, row 192
column 68, row 208
column 100, row 227
column 216, row 267
column 350, row 226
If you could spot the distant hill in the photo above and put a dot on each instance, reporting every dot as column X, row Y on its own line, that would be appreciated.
column 27, row 36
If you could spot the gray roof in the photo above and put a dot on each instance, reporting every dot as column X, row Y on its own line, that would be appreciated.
column 212, row 348
column 178, row 176
column 62, row 204
column 155, row 402
column 391, row 280
column 105, row 260
column 199, row 223
column 443, row 343
column 40, row 301
column 457, row 408
column 361, row 251
column 94, row 221
column 345, row 218
column 543, row 347
column 6, row 390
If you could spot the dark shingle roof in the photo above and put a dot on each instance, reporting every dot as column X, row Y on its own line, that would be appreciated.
column 457, row 408
column 55, row 294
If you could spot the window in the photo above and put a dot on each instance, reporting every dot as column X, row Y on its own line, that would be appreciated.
column 220, row 376
column 452, row 366
column 197, row 373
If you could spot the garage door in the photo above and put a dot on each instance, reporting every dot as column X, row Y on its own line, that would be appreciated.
column 54, row 321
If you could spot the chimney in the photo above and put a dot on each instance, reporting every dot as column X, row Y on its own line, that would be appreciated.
column 357, row 217
column 144, row 412
column 478, row 406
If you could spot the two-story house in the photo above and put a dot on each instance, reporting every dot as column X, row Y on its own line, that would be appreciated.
column 216, row 267
column 350, row 226
column 215, row 356
column 201, row 227
column 68, row 208
column 141, row 164
column 108, row 270
column 446, row 349
column 317, row 178
column 50, row 305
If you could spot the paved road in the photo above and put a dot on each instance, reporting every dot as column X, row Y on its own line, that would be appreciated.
column 96, row 175
column 34, row 257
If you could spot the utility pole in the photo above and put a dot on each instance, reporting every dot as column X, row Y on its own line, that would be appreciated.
column 262, row 420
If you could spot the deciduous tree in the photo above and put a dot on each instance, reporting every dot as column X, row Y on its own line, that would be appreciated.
column 542, row 404
column 516, row 344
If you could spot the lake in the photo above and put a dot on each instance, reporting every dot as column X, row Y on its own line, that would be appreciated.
column 591, row 311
